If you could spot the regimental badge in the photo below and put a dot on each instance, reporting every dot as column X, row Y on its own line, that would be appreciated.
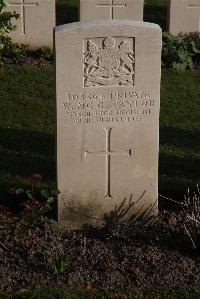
column 109, row 62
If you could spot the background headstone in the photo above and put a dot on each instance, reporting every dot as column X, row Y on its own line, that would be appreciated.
column 36, row 21
column 111, row 9
column 184, row 16
column 108, row 99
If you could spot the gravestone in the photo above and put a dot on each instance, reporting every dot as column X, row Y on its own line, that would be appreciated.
column 108, row 99
column 35, row 23
column 184, row 16
column 111, row 9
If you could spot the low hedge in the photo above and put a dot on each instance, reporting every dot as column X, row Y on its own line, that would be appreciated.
column 179, row 52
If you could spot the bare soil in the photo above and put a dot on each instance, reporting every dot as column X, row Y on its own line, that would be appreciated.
column 156, row 256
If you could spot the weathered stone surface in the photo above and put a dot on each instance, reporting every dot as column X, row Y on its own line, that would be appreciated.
column 111, row 9
column 36, row 21
column 184, row 16
column 108, row 99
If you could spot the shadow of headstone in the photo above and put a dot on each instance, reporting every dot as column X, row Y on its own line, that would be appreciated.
column 23, row 153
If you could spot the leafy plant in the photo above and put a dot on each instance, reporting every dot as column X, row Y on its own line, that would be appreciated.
column 178, row 51
column 36, row 209
column 16, row 52
column 6, row 18
column 192, row 41
column 58, row 263
column 43, row 53
column 8, row 49
column 175, row 52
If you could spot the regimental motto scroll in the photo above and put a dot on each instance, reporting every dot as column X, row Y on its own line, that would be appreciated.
column 109, row 62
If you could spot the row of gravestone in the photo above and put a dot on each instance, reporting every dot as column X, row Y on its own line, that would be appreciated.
column 37, row 17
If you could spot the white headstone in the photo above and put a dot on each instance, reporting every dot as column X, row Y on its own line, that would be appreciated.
column 108, row 99
column 111, row 9
column 35, row 23
column 184, row 16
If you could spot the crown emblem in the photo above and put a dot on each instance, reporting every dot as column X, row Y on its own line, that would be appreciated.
column 109, row 64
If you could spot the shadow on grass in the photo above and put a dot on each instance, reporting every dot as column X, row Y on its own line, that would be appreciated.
column 179, row 173
column 180, row 138
column 32, row 143
column 176, row 175
column 184, row 168
column 23, row 153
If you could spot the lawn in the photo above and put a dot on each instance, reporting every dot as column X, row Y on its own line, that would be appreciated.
column 179, row 132
column 27, row 125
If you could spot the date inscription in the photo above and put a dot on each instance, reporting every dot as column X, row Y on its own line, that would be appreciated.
column 113, row 108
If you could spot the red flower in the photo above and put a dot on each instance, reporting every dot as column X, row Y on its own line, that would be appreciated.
column 37, row 176
column 34, row 176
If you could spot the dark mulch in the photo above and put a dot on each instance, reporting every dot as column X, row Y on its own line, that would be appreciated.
column 157, row 256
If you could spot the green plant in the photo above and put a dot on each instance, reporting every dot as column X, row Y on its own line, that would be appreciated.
column 6, row 45
column 6, row 18
column 58, row 263
column 192, row 41
column 36, row 209
column 175, row 53
column 44, row 53
column 14, row 51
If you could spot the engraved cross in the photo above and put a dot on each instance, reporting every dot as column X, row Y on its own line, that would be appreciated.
column 22, row 4
column 195, row 4
column 111, row 5
column 107, row 154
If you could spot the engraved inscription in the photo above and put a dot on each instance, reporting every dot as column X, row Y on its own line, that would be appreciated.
column 107, row 154
column 109, row 61
column 23, row 4
column 112, row 6
column 194, row 3
column 114, row 108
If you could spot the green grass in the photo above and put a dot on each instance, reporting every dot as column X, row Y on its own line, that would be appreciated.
column 179, row 132
column 53, row 293
column 27, row 128
column 27, row 125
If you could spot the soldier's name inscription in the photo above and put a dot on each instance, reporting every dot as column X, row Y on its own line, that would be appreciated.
column 113, row 108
